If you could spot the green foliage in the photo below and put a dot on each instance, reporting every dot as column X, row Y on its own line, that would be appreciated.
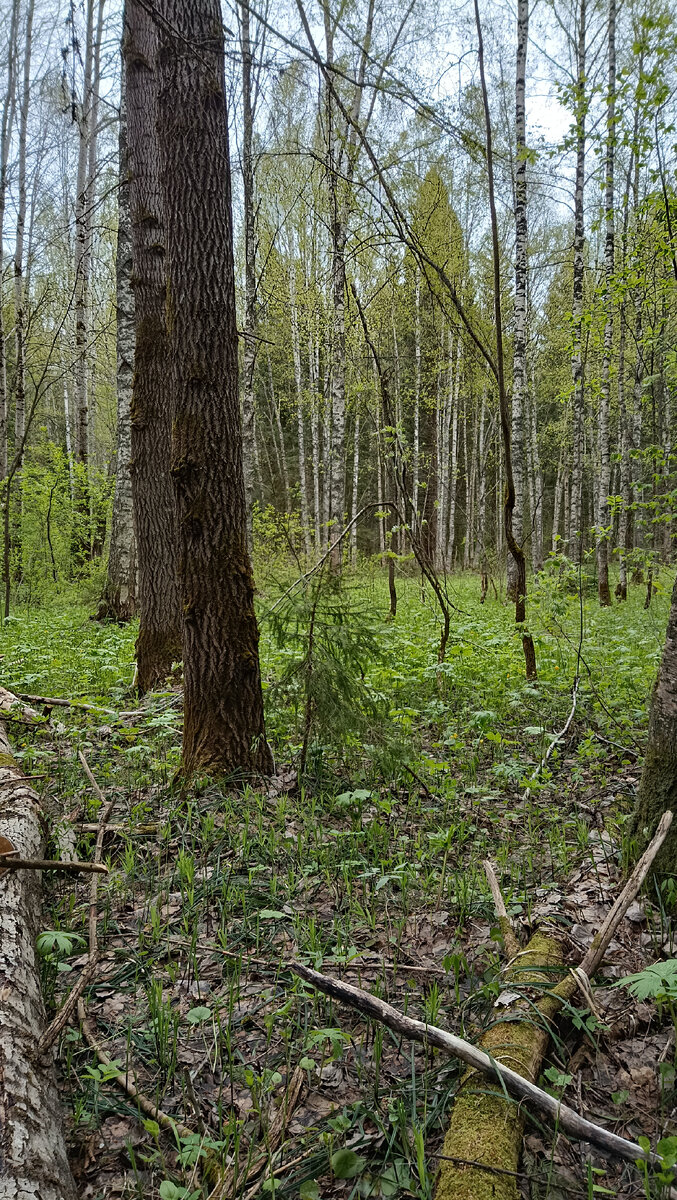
column 656, row 982
column 329, row 639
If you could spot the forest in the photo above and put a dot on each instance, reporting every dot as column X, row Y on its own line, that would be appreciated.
column 338, row 620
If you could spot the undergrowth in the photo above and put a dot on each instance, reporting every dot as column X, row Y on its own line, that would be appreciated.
column 367, row 865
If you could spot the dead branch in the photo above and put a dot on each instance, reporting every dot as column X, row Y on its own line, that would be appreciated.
column 567, row 1118
column 512, row 946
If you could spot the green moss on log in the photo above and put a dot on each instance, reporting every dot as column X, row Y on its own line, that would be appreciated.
column 485, row 1127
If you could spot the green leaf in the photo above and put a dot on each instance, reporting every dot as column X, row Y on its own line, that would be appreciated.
column 169, row 1191
column 270, row 914
column 346, row 1164
column 152, row 1128
column 309, row 1190
column 307, row 1064
column 197, row 1015
column 656, row 980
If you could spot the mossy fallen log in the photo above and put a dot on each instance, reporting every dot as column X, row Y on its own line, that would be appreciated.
column 486, row 1127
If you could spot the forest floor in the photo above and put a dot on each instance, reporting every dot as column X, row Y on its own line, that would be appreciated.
column 371, row 871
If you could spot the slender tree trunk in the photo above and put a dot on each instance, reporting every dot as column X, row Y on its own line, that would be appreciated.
column 557, row 506
column 415, row 450
column 250, row 305
column 8, row 105
column 223, row 703
column 298, row 381
column 519, row 379
column 602, row 547
column 356, row 480
column 575, row 520
column 622, row 589
column 20, row 297
column 339, row 179
column 480, row 550
column 513, row 545
column 454, row 394
column 119, row 598
column 83, row 216
column 159, row 641
column 315, row 438
column 537, row 477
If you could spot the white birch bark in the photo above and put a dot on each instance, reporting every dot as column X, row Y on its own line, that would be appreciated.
column 575, row 511
column 519, row 385
column 8, row 106
column 557, row 503
column 34, row 1164
column 298, row 382
column 415, row 449
column 20, row 285
column 315, row 438
column 339, row 179
column 480, row 547
column 120, row 596
column 536, row 476
column 250, row 313
column 356, row 479
column 602, row 540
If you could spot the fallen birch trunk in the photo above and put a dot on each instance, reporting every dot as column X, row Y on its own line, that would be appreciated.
column 33, row 1160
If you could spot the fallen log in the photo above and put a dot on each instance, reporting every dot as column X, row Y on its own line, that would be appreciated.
column 486, row 1125
column 33, row 1160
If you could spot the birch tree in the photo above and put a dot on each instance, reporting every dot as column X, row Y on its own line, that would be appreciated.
column 120, row 594
column 519, row 375
column 602, row 540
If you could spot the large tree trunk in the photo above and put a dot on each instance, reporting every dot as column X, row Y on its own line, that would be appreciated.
column 33, row 1160
column 658, row 784
column 602, row 547
column 223, row 702
column 119, row 598
column 159, row 641
column 519, row 374
column 575, row 520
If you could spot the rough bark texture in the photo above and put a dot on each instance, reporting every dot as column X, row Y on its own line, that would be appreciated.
column 33, row 1161
column 658, row 785
column 485, row 1127
column 119, row 599
column 159, row 641
column 223, row 703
